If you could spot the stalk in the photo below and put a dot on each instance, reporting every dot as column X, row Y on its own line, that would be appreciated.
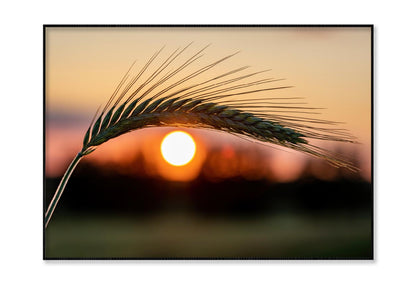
column 61, row 188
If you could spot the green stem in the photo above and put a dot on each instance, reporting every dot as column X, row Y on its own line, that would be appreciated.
column 61, row 188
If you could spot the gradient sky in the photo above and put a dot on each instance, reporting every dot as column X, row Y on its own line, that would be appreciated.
column 330, row 67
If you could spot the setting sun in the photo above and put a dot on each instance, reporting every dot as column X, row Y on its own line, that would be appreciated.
column 178, row 148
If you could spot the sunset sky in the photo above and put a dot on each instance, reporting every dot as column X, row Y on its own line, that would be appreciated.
column 330, row 67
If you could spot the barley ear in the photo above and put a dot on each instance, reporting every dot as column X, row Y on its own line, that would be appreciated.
column 221, row 102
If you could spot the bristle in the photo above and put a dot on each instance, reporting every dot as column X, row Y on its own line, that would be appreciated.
column 223, row 102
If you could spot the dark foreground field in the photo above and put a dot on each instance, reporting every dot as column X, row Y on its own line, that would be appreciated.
column 114, row 216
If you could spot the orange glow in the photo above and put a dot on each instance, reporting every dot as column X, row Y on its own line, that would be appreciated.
column 138, row 154
column 178, row 148
column 330, row 67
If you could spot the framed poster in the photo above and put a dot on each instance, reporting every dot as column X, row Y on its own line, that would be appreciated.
column 211, row 142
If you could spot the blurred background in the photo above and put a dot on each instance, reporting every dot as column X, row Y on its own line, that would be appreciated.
column 235, row 198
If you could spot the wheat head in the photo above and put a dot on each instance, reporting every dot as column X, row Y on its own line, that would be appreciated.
column 221, row 102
